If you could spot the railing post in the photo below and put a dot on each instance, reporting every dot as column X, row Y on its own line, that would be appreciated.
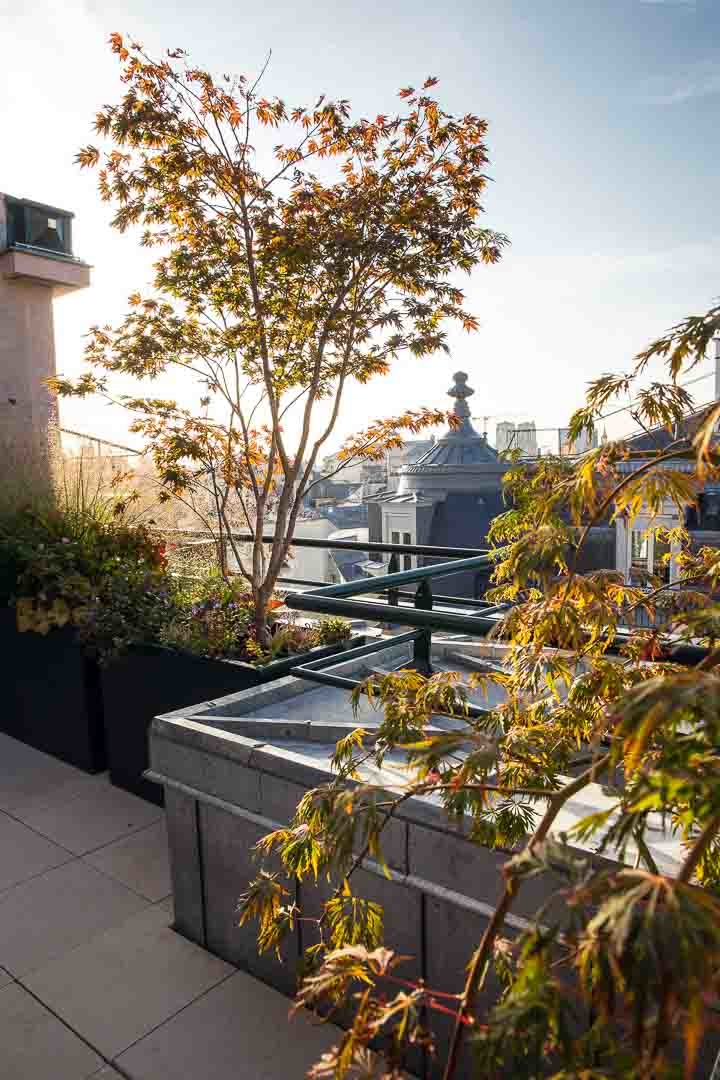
column 393, row 568
column 423, row 642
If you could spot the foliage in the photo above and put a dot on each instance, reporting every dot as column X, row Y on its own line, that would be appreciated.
column 214, row 616
column 284, row 275
column 84, row 562
column 211, row 616
column 332, row 630
column 617, row 975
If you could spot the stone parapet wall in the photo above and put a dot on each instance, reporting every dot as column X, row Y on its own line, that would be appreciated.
column 232, row 774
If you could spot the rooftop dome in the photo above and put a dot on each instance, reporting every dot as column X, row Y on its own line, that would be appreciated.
column 462, row 460
column 461, row 445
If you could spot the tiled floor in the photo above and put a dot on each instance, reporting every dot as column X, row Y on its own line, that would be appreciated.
column 93, row 981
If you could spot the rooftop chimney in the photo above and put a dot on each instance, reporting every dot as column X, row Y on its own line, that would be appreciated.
column 36, row 264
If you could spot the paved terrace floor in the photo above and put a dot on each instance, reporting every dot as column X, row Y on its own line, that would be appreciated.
column 93, row 980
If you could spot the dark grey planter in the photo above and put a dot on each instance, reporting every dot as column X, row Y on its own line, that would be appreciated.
column 148, row 680
column 54, row 701
column 235, row 769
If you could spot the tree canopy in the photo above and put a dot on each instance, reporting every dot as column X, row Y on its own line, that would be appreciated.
column 283, row 274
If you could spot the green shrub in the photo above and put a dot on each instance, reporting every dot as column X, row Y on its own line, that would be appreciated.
column 104, row 577
column 332, row 630
column 210, row 617
column 83, row 557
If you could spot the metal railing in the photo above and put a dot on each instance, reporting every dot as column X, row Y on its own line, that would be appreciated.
column 415, row 609
column 362, row 598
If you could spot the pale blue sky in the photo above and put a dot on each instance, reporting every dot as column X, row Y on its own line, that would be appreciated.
column 604, row 156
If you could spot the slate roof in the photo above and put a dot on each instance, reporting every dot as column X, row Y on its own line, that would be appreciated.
column 461, row 445
column 462, row 519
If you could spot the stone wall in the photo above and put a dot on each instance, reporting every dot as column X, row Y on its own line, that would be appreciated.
column 229, row 780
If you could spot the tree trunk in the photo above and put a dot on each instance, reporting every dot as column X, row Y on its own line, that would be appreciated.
column 260, row 617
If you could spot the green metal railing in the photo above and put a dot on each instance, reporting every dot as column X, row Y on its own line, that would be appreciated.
column 385, row 599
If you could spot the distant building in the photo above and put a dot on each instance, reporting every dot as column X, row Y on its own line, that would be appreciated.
column 400, row 456
column 581, row 445
column 307, row 564
column 521, row 436
column 504, row 434
column 350, row 563
column 447, row 498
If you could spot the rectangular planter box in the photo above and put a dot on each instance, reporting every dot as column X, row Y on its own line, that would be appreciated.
column 235, row 769
column 150, row 680
column 55, row 701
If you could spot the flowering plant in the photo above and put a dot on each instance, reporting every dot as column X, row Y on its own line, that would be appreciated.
column 97, row 573
column 211, row 617
column 214, row 616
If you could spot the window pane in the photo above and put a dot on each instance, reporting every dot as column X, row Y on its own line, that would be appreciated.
column 639, row 548
column 407, row 562
column 16, row 222
column 661, row 567
column 407, row 538
column 395, row 538
column 45, row 230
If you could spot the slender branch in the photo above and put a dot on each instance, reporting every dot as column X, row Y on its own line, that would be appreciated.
column 481, row 956
column 607, row 502
column 703, row 842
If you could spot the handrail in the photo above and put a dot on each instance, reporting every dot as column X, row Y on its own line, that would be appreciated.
column 478, row 625
column 371, row 546
column 357, row 653
column 404, row 577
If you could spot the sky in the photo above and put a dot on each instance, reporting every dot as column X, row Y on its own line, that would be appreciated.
column 603, row 143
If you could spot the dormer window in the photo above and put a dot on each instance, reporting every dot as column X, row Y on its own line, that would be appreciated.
column 41, row 228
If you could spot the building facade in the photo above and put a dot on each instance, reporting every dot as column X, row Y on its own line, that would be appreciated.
column 447, row 498
column 36, row 266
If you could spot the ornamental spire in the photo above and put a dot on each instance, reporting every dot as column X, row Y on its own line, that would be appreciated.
column 461, row 392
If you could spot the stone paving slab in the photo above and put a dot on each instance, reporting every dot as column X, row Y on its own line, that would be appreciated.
column 101, row 974
column 240, row 1030
column 126, row 982
column 36, row 1045
column 93, row 818
column 50, row 914
column 140, row 861
column 27, row 774
column 25, row 854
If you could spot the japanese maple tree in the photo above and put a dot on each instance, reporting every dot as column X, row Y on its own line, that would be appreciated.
column 283, row 275
column 616, row 975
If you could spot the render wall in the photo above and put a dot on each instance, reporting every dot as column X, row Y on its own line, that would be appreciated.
column 27, row 410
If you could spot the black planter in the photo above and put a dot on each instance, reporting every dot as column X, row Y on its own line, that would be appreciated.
column 150, row 680
column 54, row 701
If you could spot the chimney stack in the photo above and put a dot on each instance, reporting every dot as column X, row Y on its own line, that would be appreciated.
column 36, row 265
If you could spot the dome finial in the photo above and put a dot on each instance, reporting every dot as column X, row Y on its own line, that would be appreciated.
column 461, row 392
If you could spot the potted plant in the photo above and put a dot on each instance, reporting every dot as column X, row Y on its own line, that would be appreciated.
column 77, row 584
column 208, row 648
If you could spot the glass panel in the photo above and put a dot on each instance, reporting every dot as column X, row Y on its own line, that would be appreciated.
column 45, row 230
column 661, row 567
column 16, row 222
